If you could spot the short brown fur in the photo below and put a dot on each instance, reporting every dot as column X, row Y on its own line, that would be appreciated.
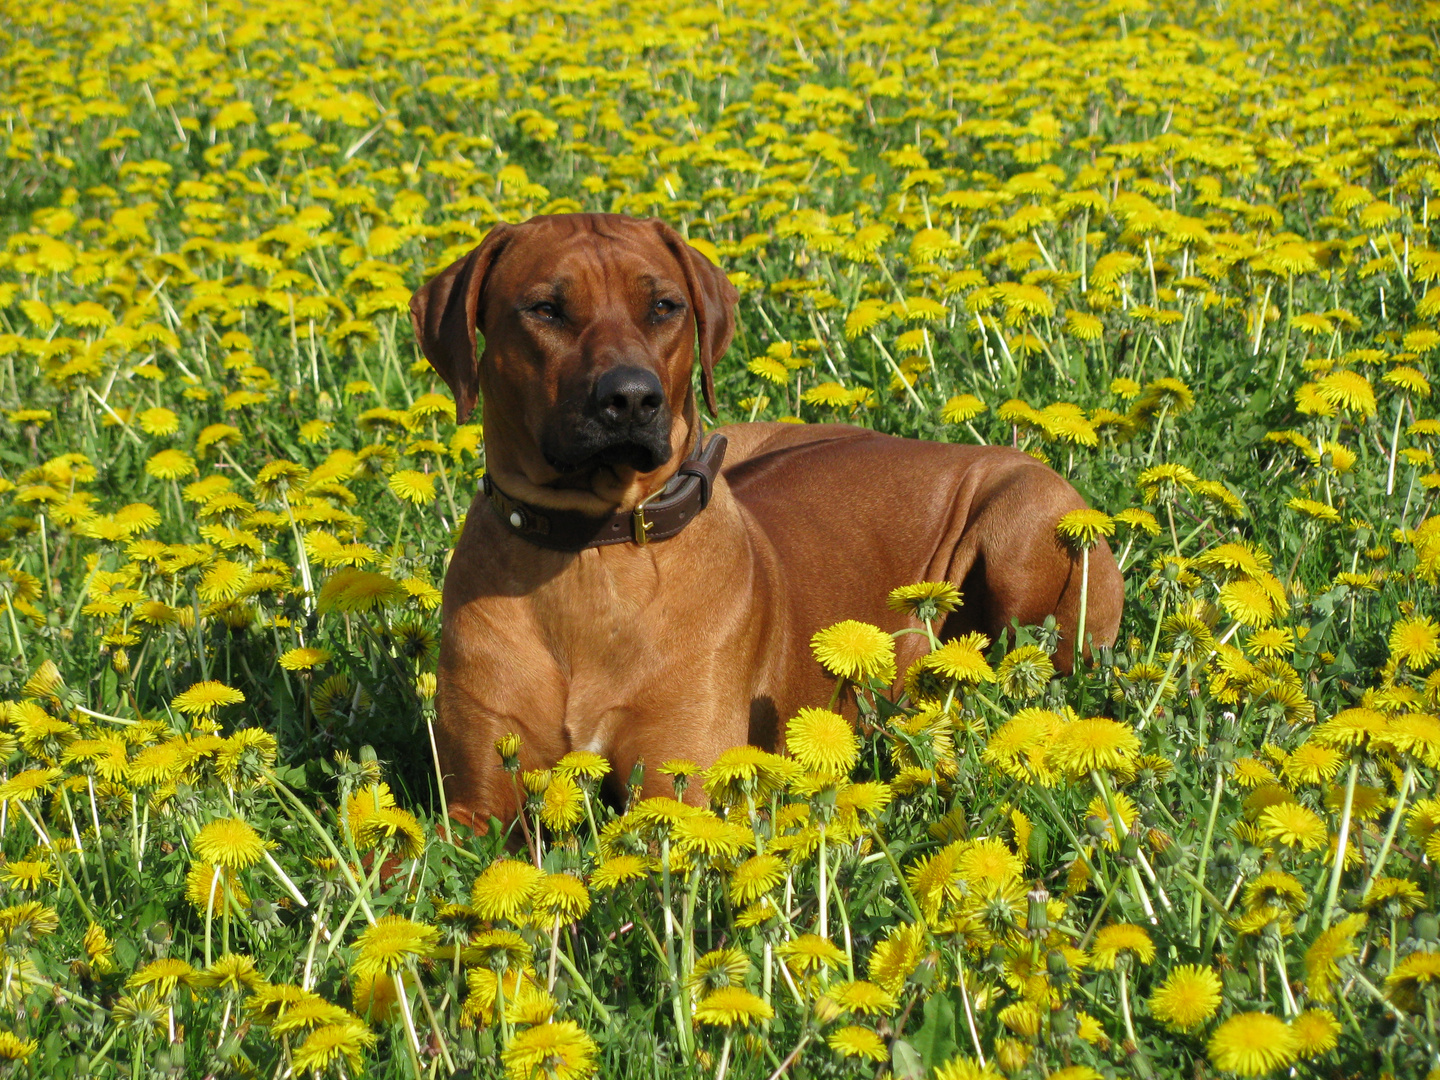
column 685, row 647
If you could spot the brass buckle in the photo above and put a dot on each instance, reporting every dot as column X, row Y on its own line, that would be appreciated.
column 639, row 527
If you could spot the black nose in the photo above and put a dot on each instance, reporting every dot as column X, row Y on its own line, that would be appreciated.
column 628, row 396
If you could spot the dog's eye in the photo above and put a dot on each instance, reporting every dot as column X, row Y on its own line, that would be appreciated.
column 546, row 310
column 662, row 308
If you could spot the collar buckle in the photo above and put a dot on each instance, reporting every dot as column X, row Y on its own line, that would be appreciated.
column 639, row 527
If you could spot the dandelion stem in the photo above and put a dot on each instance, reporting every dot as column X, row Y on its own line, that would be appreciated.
column 1124, row 969
column 969, row 1013
column 210, row 912
column 601, row 1013
column 824, row 897
column 1395, row 816
column 724, row 1058
column 325, row 839
column 1394, row 448
column 100, row 843
column 440, row 781
column 290, row 886
column 1159, row 690
column 59, row 859
column 899, row 874
column 15, row 631
column 435, row 1026
column 1340, row 844
column 413, row 1042
column 1205, row 852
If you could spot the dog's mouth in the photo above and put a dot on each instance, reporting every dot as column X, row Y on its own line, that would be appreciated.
column 640, row 454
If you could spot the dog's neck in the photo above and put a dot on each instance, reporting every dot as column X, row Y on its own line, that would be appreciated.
column 513, row 461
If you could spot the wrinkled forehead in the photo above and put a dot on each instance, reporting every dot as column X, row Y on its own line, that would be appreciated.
column 586, row 257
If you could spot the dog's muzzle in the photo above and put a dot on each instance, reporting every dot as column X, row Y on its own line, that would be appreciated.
column 625, row 421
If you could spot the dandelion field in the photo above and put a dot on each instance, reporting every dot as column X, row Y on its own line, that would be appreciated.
column 1183, row 253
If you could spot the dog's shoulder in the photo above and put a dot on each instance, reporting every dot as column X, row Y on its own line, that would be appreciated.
column 754, row 441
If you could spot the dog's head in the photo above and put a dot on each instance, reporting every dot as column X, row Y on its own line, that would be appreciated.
column 590, row 323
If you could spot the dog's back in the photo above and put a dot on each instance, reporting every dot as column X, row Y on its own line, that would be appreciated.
column 850, row 514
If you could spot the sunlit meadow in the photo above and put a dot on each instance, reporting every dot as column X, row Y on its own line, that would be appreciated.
column 1183, row 252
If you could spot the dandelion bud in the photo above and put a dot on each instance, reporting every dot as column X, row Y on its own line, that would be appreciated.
column 1037, row 917
column 508, row 747
column 535, row 781
column 159, row 935
column 1097, row 826
column 1426, row 927
column 1011, row 1054
column 826, row 1010
column 120, row 661
column 425, row 685
column 1062, row 1021
column 1129, row 847
column 1058, row 967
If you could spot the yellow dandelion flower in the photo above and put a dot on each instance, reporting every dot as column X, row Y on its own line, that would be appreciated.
column 862, row 997
column 203, row 698
column 562, row 807
column 1294, row 826
column 1120, row 939
column 1247, row 603
column 962, row 409
column 29, row 784
column 1082, row 529
column 1348, row 390
column 328, row 1044
column 856, row 651
column 1092, row 744
column 710, row 837
column 823, row 742
column 960, row 660
column 15, row 1049
column 504, row 889
column 857, row 1042
column 171, row 465
column 1322, row 959
column 1189, row 996
column 1312, row 763
column 810, row 953
column 1317, row 1032
column 229, row 842
column 1399, row 896
column 755, row 877
column 304, row 658
column 233, row 973
column 582, row 764
column 1416, row 972
column 559, row 1050
column 964, row 1068
column 721, row 967
column 165, row 975
column 618, row 869
column 896, row 956
column 1415, row 642
column 1164, row 482
column 205, row 887
column 1253, row 1044
column 732, row 1006
column 1312, row 509
column 925, row 600
column 386, row 946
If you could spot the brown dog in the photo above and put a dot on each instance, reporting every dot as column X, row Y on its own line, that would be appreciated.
column 580, row 623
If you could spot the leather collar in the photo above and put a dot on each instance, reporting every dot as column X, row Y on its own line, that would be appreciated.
column 661, row 516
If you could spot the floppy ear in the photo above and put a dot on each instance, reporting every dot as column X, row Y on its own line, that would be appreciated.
column 445, row 312
column 713, row 298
